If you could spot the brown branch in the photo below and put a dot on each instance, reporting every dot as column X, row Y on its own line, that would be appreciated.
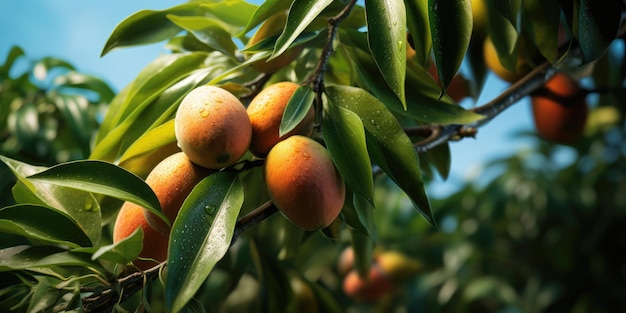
column 525, row 86
column 103, row 298
column 317, row 78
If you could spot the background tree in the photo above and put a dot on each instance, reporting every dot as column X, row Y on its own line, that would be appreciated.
column 532, row 239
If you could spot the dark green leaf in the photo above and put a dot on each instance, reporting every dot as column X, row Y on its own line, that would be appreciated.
column 419, row 28
column 122, row 252
column 451, row 27
column 201, row 235
column 73, row 109
column 396, row 156
column 386, row 35
column 102, row 178
column 439, row 158
column 207, row 31
column 596, row 25
column 542, row 25
column 81, row 206
column 42, row 224
column 503, row 17
column 301, row 14
column 422, row 96
column 147, row 26
column 345, row 139
column 297, row 108
column 25, row 257
column 363, row 245
column 43, row 294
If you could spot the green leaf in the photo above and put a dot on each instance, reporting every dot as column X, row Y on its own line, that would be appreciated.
column 87, row 82
column 422, row 96
column 363, row 245
column 153, row 139
column 502, row 21
column 419, row 28
column 73, row 109
column 122, row 252
column 263, row 12
column 439, row 157
column 43, row 66
column 15, row 53
column 542, row 25
column 301, row 14
column 25, row 257
column 81, row 206
column 345, row 140
column 233, row 12
column 147, row 26
column 396, row 155
column 207, row 31
column 386, row 35
column 201, row 235
column 43, row 294
column 451, row 26
column 102, row 178
column 42, row 224
column 595, row 26
column 297, row 108
column 130, row 120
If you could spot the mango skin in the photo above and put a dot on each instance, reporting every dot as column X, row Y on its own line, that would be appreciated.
column 266, row 111
column 212, row 127
column 303, row 183
column 271, row 27
column 171, row 180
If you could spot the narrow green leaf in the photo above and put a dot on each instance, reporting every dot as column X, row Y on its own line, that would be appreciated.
column 502, row 21
column 122, row 252
column 43, row 66
column 232, row 12
column 153, row 139
column 301, row 14
column 81, row 206
column 263, row 12
column 419, row 28
column 178, row 71
column 364, row 245
column 25, row 257
column 439, row 157
column 87, row 82
column 345, row 140
column 73, row 109
column 43, row 294
column 201, row 235
column 423, row 103
column 297, row 108
column 207, row 31
column 42, row 223
column 396, row 156
column 451, row 26
column 147, row 26
column 542, row 26
column 15, row 53
column 386, row 36
column 595, row 26
column 102, row 178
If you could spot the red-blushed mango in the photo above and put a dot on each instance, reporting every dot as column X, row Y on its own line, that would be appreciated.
column 367, row 289
column 303, row 183
column 560, row 110
column 212, row 127
column 271, row 27
column 171, row 180
column 266, row 111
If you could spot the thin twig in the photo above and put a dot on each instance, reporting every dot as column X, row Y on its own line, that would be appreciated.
column 317, row 79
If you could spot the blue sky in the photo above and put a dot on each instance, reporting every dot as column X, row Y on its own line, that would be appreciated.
column 76, row 30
